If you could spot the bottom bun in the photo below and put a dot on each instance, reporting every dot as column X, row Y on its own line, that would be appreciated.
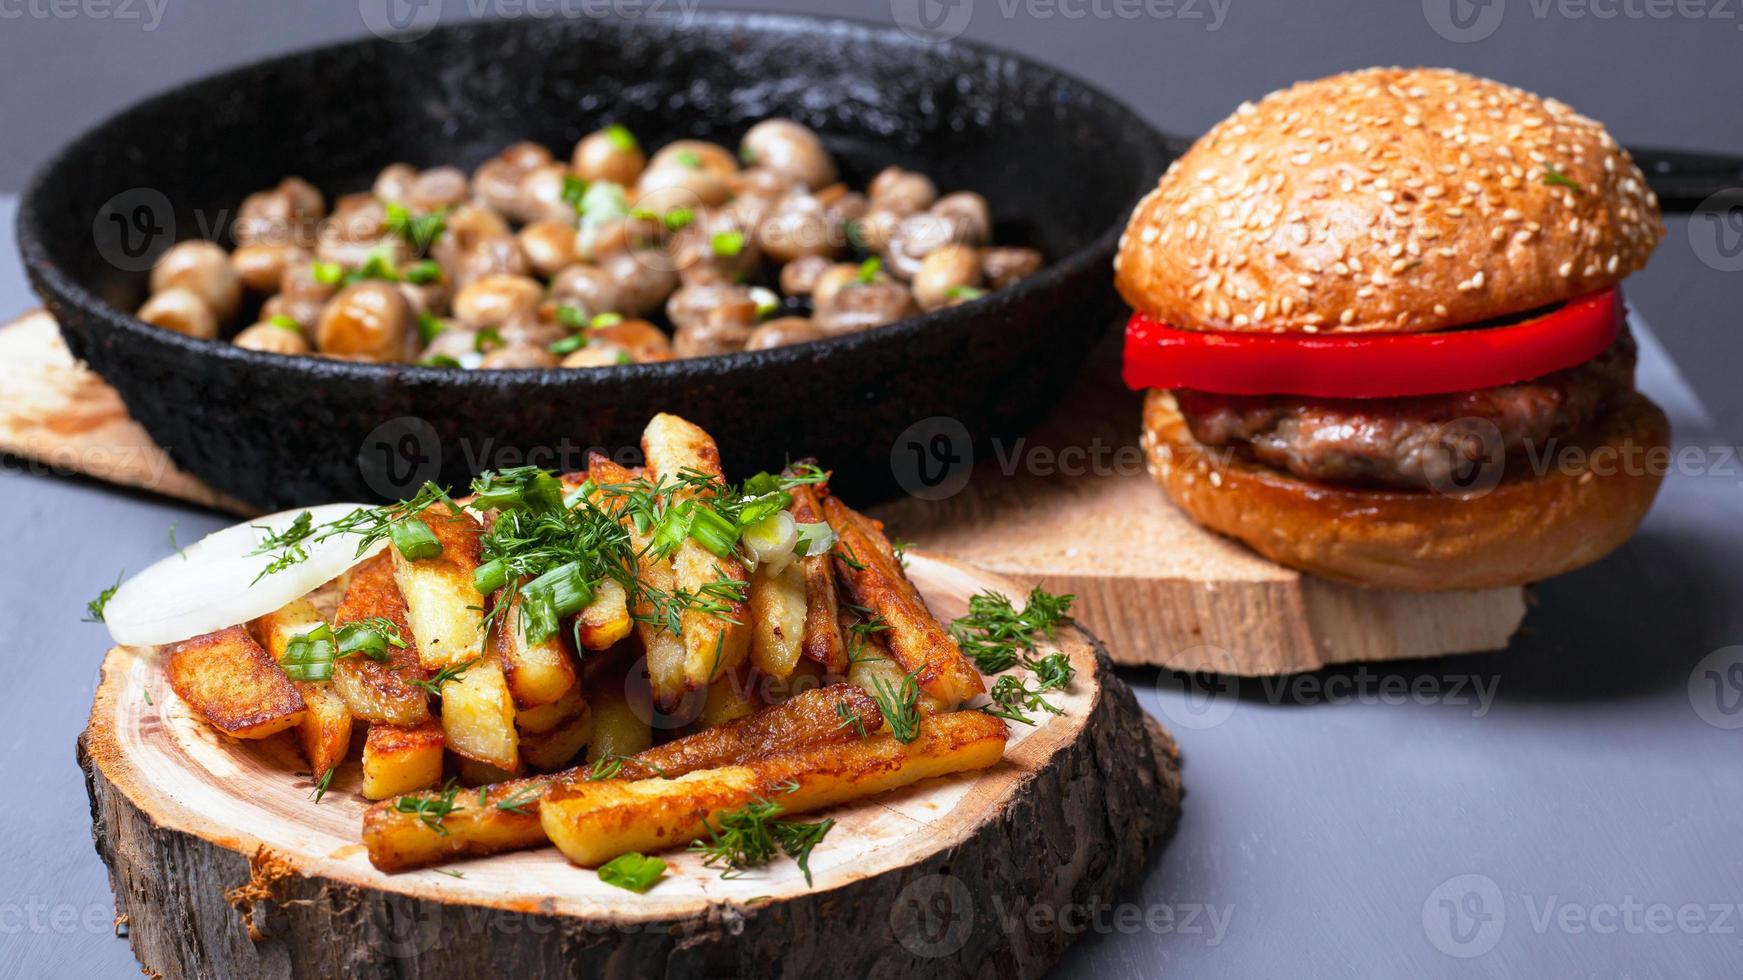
column 1585, row 500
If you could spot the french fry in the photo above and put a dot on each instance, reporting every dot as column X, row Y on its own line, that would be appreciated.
column 325, row 731
column 664, row 649
column 399, row 841
column 823, row 642
column 777, row 613
column 545, row 717
column 605, row 620
column 715, row 640
column 380, row 692
column 552, row 750
column 401, row 760
column 537, row 673
column 235, row 684
column 593, row 822
column 442, row 605
column 478, row 716
column 866, row 562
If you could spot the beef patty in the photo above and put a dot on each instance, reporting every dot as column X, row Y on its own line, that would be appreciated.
column 1411, row 443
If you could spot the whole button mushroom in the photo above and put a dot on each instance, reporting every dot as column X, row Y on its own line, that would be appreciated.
column 610, row 154
column 721, row 330
column 918, row 236
column 692, row 304
column 302, row 311
column 673, row 186
column 284, row 215
column 493, row 300
column 272, row 339
column 437, row 188
column 367, row 321
column 203, row 269
column 873, row 230
column 1004, row 266
column 548, row 246
column 394, row 183
column 970, row 220
column 181, row 310
column 454, row 342
column 644, row 279
column 644, row 342
column 864, row 305
column 789, row 149
column 588, row 287
column 541, row 195
column 781, row 332
column 901, row 191
column 799, row 277
column 944, row 274
column 496, row 182
column 518, row 357
column 696, row 155
column 799, row 225
column 261, row 267
column 837, row 277
column 490, row 257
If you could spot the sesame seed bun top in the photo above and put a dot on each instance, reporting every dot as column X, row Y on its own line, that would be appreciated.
column 1386, row 200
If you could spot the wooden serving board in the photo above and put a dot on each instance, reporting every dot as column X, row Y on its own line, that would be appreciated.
column 223, row 867
column 1162, row 590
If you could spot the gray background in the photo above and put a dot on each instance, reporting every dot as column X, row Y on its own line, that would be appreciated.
column 1326, row 820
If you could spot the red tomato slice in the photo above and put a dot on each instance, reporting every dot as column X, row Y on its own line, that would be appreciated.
column 1370, row 365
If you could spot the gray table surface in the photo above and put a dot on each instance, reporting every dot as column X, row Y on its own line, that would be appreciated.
column 1566, row 807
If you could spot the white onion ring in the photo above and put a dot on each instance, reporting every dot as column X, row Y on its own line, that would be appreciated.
column 211, row 584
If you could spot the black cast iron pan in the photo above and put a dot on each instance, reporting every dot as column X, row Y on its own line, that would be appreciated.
column 1061, row 162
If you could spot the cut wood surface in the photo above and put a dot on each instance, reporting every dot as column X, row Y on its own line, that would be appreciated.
column 224, row 867
column 1160, row 589
column 1071, row 506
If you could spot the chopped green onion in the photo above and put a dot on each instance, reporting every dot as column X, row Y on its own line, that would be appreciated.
column 490, row 576
column 712, row 531
column 520, row 488
column 414, row 539
column 424, row 272
column 727, row 244
column 441, row 360
column 678, row 218
column 309, row 657
column 604, row 201
column 430, row 327
column 487, row 338
column 283, row 322
column 621, row 137
column 687, row 158
column 1553, row 175
column 364, row 638
column 869, row 269
column 573, row 317
column 569, row 344
column 624, row 358
column 604, row 320
column 747, row 154
column 574, row 191
column 562, row 591
column 965, row 292
column 326, row 273
column 772, row 539
column 768, row 303
column 632, row 871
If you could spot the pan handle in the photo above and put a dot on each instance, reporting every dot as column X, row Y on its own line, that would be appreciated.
column 1681, row 178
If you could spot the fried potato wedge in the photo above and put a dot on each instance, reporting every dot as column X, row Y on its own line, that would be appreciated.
column 593, row 822
column 545, row 717
column 552, row 750
column 380, row 692
column 442, row 606
column 399, row 841
column 397, row 761
column 235, row 684
column 714, row 641
column 730, row 697
column 664, row 649
column 777, row 614
column 478, row 716
column 605, row 620
column 917, row 641
column 325, row 731
column 537, row 673
column 618, row 728
column 506, row 819
column 823, row 642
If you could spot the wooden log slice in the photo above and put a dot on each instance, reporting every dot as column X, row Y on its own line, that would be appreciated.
column 224, row 867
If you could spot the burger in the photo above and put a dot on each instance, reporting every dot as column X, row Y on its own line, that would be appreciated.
column 1379, row 320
